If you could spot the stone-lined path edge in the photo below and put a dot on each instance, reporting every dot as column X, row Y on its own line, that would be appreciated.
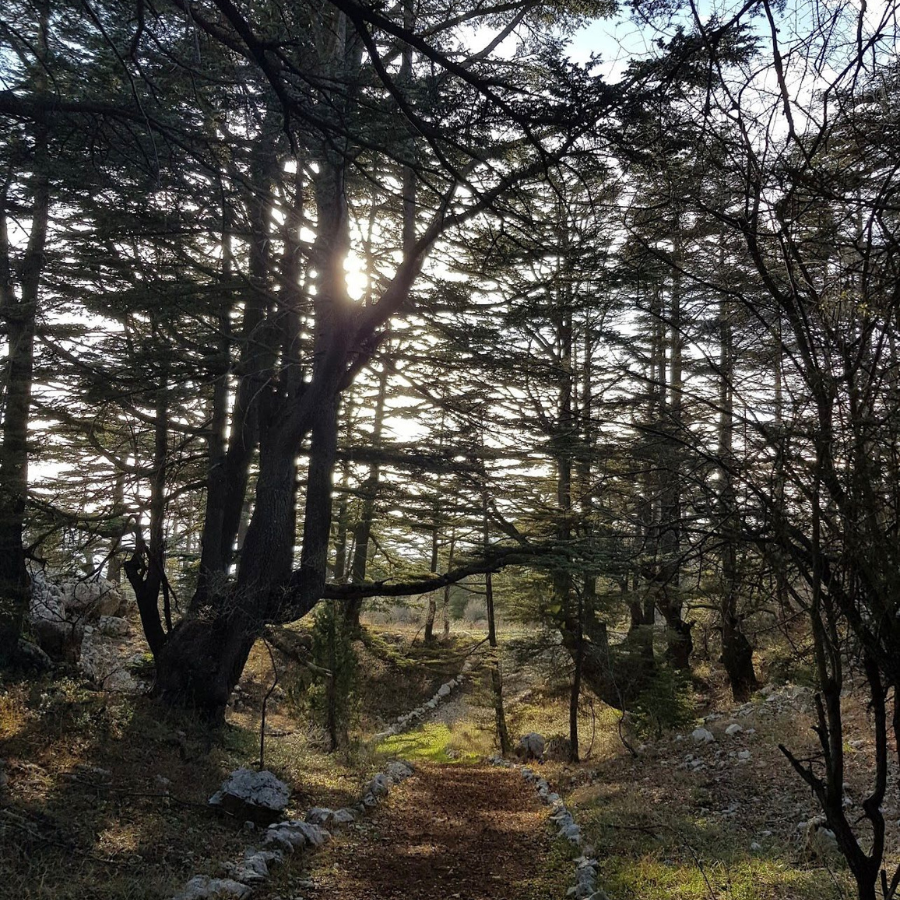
column 586, row 865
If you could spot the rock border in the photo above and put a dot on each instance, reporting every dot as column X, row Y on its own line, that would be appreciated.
column 417, row 716
column 586, row 865
column 253, row 868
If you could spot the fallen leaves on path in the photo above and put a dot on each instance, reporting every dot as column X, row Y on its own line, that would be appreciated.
column 467, row 832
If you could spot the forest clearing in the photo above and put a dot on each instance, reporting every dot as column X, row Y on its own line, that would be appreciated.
column 450, row 449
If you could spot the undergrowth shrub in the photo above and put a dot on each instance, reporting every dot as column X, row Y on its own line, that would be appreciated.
column 333, row 697
column 666, row 703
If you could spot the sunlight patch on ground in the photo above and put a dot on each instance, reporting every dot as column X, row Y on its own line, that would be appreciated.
column 748, row 879
column 433, row 742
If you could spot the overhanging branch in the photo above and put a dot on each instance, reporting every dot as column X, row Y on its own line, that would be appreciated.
column 513, row 556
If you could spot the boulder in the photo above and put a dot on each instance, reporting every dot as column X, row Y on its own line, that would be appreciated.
column 320, row 815
column 92, row 599
column 58, row 616
column 55, row 634
column 378, row 786
column 702, row 736
column 105, row 661
column 531, row 746
column 296, row 835
column 444, row 690
column 31, row 657
column 733, row 730
column 398, row 770
column 254, row 867
column 61, row 641
column 559, row 748
column 257, row 796
column 113, row 626
column 819, row 841
column 343, row 816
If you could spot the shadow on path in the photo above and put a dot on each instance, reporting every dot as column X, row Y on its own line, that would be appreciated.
column 452, row 831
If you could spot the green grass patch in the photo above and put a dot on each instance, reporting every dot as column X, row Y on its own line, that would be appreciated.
column 434, row 742
column 751, row 878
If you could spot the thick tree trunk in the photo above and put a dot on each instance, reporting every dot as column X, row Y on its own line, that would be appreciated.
column 229, row 475
column 20, row 314
column 212, row 565
column 204, row 656
column 679, row 642
column 206, row 653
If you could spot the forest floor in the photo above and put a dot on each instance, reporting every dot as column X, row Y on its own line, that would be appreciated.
column 466, row 831
column 675, row 820
column 105, row 797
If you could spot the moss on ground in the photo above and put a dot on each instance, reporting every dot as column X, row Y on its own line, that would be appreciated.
column 434, row 742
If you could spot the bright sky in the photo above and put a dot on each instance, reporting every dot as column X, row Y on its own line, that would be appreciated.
column 617, row 41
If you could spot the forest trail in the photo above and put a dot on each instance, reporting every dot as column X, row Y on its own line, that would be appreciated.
column 451, row 831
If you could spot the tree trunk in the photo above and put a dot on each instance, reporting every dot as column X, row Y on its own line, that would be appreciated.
column 737, row 658
column 206, row 652
column 737, row 652
column 679, row 644
column 496, row 671
column 575, row 692
column 20, row 315
column 362, row 534
column 228, row 479
column 146, row 568
column 445, row 606
column 431, row 612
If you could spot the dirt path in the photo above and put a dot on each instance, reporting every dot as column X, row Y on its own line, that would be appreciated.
column 451, row 831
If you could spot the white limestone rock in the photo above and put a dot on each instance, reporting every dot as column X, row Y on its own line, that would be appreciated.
column 257, row 796
column 398, row 770
column 531, row 746
column 202, row 887
column 295, row 835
